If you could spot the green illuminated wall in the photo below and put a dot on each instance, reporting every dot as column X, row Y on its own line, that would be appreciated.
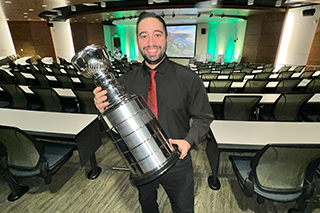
column 127, row 36
column 226, row 38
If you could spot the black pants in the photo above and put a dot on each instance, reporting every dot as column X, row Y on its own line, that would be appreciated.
column 213, row 154
column 179, row 185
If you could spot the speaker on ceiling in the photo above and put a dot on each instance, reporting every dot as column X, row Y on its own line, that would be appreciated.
column 203, row 30
column 309, row 12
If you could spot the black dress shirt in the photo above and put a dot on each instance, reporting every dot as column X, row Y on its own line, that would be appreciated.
column 180, row 95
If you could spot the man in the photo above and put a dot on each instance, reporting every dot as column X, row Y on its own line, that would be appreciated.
column 181, row 96
column 117, row 55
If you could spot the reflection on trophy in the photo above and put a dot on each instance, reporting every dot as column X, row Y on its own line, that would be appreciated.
column 141, row 142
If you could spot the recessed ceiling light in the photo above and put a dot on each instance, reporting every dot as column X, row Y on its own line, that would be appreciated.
column 29, row 19
column 25, row 13
column 97, row 19
column 25, row 16
column 75, row 20
column 7, row 2
column 89, row 4
column 44, row 5
column 30, row 9
column 7, row 19
column 83, row 17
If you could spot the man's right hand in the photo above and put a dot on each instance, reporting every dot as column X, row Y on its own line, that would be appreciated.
column 100, row 99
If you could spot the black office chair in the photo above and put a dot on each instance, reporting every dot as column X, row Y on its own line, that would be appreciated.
column 268, row 69
column 313, row 86
column 285, row 75
column 42, row 81
column 247, row 70
column 65, row 81
column 24, row 156
column 226, row 71
column 284, row 68
column 287, row 85
column 262, row 76
column 204, row 70
column 306, row 74
column 254, row 86
column 219, row 86
column 88, row 82
column 299, row 68
column 50, row 99
column 5, row 77
column 209, row 76
column 18, row 98
column 287, row 106
column 85, row 98
column 282, row 173
column 237, row 76
column 240, row 108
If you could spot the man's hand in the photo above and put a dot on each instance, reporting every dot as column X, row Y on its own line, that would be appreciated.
column 183, row 146
column 100, row 99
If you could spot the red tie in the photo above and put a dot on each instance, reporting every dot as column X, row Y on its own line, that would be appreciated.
column 152, row 94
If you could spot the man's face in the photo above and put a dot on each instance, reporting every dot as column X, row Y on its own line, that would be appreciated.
column 151, row 40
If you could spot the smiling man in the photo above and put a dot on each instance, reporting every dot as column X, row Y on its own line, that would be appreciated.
column 180, row 96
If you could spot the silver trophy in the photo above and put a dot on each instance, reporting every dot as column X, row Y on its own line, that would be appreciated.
column 141, row 142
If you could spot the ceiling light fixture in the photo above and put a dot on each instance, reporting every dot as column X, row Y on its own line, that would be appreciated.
column 250, row 2
column 44, row 5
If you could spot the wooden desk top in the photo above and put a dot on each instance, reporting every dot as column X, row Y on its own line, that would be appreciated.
column 246, row 134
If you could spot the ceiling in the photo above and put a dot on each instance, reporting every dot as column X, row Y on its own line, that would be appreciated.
column 124, row 12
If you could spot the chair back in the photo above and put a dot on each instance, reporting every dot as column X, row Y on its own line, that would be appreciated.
column 262, row 76
column 237, row 76
column 219, row 86
column 268, row 69
column 18, row 97
column 306, row 74
column 287, row 106
column 285, row 75
column 313, row 86
column 65, row 81
column 22, row 153
column 287, row 85
column 86, row 101
column 49, row 98
column 282, row 168
column 254, row 86
column 240, row 107
column 204, row 70
column 209, row 76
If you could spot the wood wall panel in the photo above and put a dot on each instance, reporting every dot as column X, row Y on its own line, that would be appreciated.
column 313, row 58
column 31, row 38
column 266, row 29
column 85, row 34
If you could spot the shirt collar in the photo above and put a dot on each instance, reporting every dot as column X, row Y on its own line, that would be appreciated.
column 161, row 68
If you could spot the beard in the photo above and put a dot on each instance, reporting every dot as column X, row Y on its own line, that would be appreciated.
column 154, row 59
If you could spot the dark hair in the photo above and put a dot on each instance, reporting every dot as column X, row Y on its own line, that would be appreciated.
column 144, row 15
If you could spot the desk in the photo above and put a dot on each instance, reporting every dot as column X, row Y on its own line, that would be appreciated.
column 267, row 98
column 83, row 129
column 256, row 134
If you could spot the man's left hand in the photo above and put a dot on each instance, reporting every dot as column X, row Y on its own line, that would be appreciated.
column 183, row 146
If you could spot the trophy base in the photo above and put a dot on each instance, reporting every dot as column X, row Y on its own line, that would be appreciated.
column 152, row 175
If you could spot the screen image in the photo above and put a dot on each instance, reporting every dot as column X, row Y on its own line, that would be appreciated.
column 182, row 40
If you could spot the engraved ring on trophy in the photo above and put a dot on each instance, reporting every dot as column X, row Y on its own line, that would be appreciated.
column 142, row 143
